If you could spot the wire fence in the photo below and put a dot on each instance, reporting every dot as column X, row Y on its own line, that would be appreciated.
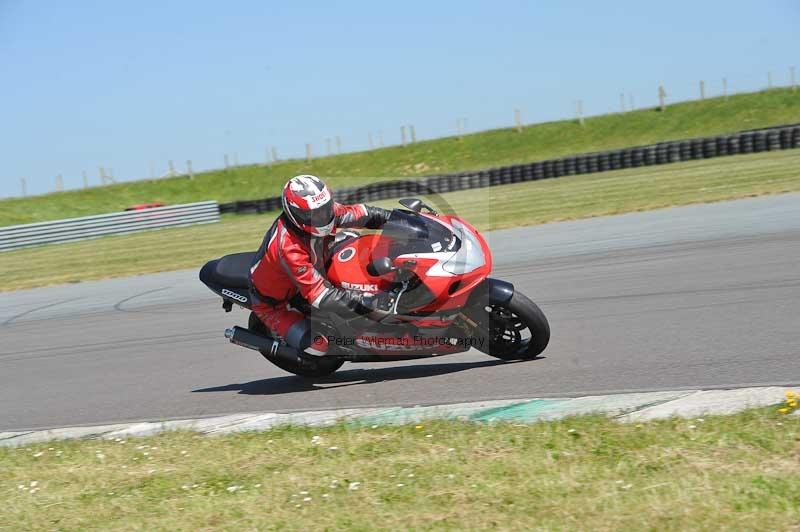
column 633, row 98
column 629, row 99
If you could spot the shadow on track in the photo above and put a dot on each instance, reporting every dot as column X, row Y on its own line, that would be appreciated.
column 351, row 377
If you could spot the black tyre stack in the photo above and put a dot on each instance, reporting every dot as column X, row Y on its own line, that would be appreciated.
column 755, row 141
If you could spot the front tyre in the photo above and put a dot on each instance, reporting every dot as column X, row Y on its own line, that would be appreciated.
column 516, row 329
column 311, row 368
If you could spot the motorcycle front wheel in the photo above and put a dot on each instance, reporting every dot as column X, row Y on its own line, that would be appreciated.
column 514, row 330
column 313, row 368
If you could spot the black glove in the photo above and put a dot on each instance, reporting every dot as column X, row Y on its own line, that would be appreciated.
column 341, row 301
column 382, row 301
column 376, row 217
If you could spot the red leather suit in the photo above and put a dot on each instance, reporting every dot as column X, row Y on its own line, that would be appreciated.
column 291, row 262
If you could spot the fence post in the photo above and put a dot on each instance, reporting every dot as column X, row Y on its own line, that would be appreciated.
column 518, row 120
column 662, row 95
column 459, row 128
column 227, row 164
column 380, row 139
column 725, row 87
column 308, row 152
column 24, row 185
column 769, row 80
column 189, row 169
column 579, row 111
column 702, row 90
column 85, row 179
column 403, row 135
column 274, row 155
column 793, row 81
column 630, row 100
column 338, row 144
column 103, row 178
column 235, row 159
column 413, row 134
column 172, row 172
column 369, row 136
column 328, row 146
column 111, row 175
column 621, row 102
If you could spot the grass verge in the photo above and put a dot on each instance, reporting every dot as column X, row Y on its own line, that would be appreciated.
column 490, row 208
column 480, row 150
column 737, row 472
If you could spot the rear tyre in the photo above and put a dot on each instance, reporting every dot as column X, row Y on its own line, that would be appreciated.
column 311, row 368
column 517, row 329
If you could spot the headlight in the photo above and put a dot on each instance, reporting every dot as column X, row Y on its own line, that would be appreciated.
column 470, row 255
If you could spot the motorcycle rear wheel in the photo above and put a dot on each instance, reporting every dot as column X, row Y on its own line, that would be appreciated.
column 507, row 326
column 320, row 367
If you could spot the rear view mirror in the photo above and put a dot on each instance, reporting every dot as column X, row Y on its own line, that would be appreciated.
column 380, row 267
column 412, row 204
column 416, row 205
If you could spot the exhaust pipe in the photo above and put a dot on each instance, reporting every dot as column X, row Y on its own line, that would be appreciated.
column 268, row 347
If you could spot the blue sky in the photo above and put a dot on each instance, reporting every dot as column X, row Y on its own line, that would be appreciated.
column 129, row 84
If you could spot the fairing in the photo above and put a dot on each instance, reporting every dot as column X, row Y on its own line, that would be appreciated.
column 447, row 255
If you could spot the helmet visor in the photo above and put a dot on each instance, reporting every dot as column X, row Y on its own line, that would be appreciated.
column 319, row 217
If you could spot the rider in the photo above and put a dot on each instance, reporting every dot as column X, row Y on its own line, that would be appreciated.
column 291, row 259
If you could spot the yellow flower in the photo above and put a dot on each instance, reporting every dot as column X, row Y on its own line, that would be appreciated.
column 418, row 427
column 789, row 394
column 793, row 404
column 783, row 410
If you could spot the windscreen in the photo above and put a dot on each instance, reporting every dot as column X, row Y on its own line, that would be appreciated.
column 412, row 233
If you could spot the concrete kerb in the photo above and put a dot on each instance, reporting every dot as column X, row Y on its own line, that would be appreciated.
column 718, row 402
column 628, row 407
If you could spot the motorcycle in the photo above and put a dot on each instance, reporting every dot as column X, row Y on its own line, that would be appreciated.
column 436, row 269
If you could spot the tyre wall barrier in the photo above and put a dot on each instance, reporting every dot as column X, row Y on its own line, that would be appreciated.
column 751, row 141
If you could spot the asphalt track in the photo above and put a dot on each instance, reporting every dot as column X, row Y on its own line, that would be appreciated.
column 692, row 297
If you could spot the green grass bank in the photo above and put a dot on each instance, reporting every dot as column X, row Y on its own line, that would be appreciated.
column 509, row 205
column 475, row 151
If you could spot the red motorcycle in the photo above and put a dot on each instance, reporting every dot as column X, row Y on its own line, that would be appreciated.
column 435, row 266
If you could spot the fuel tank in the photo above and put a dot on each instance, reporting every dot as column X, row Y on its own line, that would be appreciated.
column 348, row 264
